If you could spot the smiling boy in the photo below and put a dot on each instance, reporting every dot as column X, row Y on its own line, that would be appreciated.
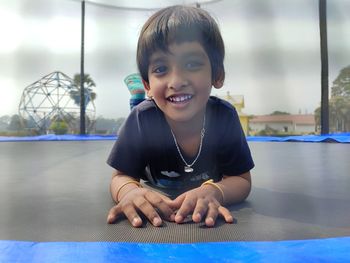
column 187, row 146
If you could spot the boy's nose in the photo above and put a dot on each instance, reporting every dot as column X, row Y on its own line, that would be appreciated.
column 177, row 80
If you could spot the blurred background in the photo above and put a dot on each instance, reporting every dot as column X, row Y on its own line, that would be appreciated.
column 273, row 67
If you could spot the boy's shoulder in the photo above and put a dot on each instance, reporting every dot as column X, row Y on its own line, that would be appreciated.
column 144, row 111
column 145, row 106
column 218, row 104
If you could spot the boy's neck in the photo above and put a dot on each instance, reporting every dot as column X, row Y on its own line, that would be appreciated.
column 189, row 128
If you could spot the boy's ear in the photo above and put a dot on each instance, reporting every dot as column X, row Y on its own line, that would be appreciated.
column 147, row 88
column 219, row 81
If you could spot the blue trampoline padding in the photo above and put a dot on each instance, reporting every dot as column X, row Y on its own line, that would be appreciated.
column 53, row 137
column 317, row 250
column 339, row 137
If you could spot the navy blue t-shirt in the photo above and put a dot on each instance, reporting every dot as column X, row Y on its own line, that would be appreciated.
column 145, row 148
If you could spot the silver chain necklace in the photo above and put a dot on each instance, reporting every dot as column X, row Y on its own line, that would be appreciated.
column 188, row 167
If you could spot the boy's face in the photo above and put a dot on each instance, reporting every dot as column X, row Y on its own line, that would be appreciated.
column 180, row 81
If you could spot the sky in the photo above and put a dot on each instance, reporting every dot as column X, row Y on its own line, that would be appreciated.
column 272, row 49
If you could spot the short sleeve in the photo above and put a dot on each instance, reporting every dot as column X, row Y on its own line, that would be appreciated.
column 234, row 156
column 127, row 154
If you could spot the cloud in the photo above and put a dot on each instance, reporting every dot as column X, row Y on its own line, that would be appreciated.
column 272, row 49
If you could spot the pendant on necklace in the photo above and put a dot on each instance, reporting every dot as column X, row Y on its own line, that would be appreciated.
column 188, row 169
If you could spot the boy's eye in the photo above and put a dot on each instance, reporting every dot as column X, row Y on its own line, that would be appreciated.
column 192, row 65
column 159, row 69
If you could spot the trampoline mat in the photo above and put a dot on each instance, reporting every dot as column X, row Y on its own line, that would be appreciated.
column 59, row 191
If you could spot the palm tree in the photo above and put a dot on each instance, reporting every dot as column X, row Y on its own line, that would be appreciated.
column 341, row 85
column 339, row 103
column 90, row 95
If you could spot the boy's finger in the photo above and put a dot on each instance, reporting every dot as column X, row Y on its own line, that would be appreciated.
column 113, row 214
column 199, row 211
column 185, row 209
column 177, row 202
column 165, row 198
column 211, row 215
column 161, row 204
column 226, row 214
column 148, row 210
column 132, row 215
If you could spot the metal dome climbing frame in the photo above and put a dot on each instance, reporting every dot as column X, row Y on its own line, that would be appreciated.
column 53, row 98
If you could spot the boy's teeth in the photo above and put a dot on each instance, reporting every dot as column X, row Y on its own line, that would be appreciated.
column 180, row 98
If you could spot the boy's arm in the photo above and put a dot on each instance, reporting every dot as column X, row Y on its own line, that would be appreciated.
column 118, row 179
column 236, row 188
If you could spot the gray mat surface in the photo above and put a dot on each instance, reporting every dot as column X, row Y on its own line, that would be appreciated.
column 58, row 191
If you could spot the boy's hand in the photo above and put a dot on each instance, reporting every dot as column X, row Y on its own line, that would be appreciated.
column 152, row 204
column 202, row 202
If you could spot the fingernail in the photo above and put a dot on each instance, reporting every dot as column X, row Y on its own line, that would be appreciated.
column 210, row 221
column 157, row 221
column 172, row 217
column 135, row 221
column 178, row 218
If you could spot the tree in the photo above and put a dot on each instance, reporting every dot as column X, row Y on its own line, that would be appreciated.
column 90, row 95
column 279, row 113
column 59, row 127
column 16, row 123
column 108, row 126
column 341, row 85
column 339, row 103
column 4, row 122
column 339, row 111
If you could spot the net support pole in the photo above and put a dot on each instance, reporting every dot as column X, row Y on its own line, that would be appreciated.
column 82, row 91
column 324, row 67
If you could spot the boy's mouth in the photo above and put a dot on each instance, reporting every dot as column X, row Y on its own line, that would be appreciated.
column 181, row 98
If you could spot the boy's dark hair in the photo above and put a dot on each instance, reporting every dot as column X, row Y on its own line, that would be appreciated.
column 178, row 24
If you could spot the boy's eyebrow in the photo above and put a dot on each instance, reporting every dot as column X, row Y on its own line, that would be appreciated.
column 159, row 58
column 162, row 57
column 199, row 54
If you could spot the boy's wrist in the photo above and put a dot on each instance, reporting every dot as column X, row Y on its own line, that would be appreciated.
column 125, row 188
column 210, row 183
